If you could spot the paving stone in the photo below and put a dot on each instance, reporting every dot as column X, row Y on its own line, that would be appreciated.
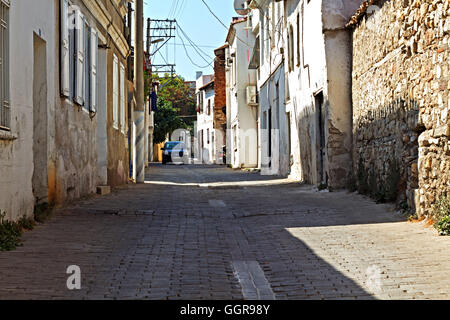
column 288, row 244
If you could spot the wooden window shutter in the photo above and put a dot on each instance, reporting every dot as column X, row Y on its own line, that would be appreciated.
column 93, row 69
column 122, row 98
column 115, row 92
column 65, row 51
column 79, row 58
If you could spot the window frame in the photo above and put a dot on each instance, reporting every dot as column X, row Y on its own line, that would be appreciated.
column 122, row 102
column 115, row 92
column 5, row 104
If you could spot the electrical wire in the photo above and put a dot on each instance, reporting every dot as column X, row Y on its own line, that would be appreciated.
column 192, row 42
column 182, row 7
column 220, row 21
column 189, row 57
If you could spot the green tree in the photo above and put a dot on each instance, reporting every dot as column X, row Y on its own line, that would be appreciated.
column 173, row 95
column 166, row 121
column 178, row 93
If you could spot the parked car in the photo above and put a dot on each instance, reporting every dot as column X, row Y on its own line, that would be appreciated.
column 175, row 152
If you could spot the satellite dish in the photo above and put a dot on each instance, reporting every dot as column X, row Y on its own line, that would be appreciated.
column 240, row 6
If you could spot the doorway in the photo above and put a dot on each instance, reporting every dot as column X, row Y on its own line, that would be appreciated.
column 269, row 130
column 289, row 146
column 40, row 121
column 320, row 136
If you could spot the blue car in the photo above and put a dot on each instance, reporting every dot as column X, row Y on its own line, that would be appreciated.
column 174, row 152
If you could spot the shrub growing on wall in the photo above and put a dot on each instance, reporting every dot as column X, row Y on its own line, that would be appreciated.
column 441, row 214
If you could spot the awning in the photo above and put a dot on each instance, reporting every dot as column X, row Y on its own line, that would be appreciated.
column 255, row 60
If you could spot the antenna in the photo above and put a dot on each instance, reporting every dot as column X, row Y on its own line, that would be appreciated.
column 240, row 6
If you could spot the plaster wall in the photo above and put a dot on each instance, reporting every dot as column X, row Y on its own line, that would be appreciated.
column 16, row 146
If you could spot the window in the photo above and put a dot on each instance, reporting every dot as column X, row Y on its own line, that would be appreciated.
column 262, row 41
column 79, row 56
column 207, row 135
column 298, row 40
column 122, row 98
column 79, row 93
column 272, row 42
column 209, row 107
column 5, row 114
column 268, row 37
column 87, row 65
column 93, row 58
column 66, row 48
column 291, row 48
column 234, row 70
column 116, row 92
column 200, row 102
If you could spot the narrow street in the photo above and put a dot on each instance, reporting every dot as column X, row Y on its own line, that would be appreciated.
column 209, row 232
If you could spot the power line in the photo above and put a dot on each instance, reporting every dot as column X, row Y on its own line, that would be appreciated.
column 188, row 45
column 217, row 18
column 192, row 43
column 189, row 57
column 220, row 21
column 182, row 7
column 199, row 51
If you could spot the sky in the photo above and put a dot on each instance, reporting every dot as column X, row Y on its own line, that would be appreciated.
column 199, row 25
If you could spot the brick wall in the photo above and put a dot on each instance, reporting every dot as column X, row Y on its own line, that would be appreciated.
column 220, row 100
column 400, row 101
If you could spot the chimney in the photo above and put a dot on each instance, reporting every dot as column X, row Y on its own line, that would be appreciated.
column 198, row 75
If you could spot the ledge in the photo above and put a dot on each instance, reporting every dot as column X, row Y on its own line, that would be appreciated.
column 7, row 136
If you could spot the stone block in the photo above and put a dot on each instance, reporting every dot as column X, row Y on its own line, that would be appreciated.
column 103, row 190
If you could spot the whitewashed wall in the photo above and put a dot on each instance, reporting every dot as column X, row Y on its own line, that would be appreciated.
column 16, row 157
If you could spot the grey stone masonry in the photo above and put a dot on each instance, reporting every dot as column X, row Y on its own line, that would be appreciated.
column 401, row 82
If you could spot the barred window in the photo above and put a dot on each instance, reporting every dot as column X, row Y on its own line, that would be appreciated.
column 4, row 65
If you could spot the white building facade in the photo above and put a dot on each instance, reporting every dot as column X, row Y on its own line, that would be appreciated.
column 27, row 88
column 205, row 119
column 242, row 107
column 303, row 62
column 267, row 24
column 318, row 72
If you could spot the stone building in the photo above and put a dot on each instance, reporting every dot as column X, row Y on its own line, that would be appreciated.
column 59, row 86
column 400, row 101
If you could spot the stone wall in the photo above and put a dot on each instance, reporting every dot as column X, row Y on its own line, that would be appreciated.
column 400, row 101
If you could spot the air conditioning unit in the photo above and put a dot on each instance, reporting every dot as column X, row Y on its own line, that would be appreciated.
column 252, row 96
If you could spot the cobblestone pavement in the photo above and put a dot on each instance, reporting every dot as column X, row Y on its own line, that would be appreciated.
column 208, row 232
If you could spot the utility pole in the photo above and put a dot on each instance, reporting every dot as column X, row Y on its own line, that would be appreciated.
column 139, row 111
column 148, row 36
column 148, row 114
